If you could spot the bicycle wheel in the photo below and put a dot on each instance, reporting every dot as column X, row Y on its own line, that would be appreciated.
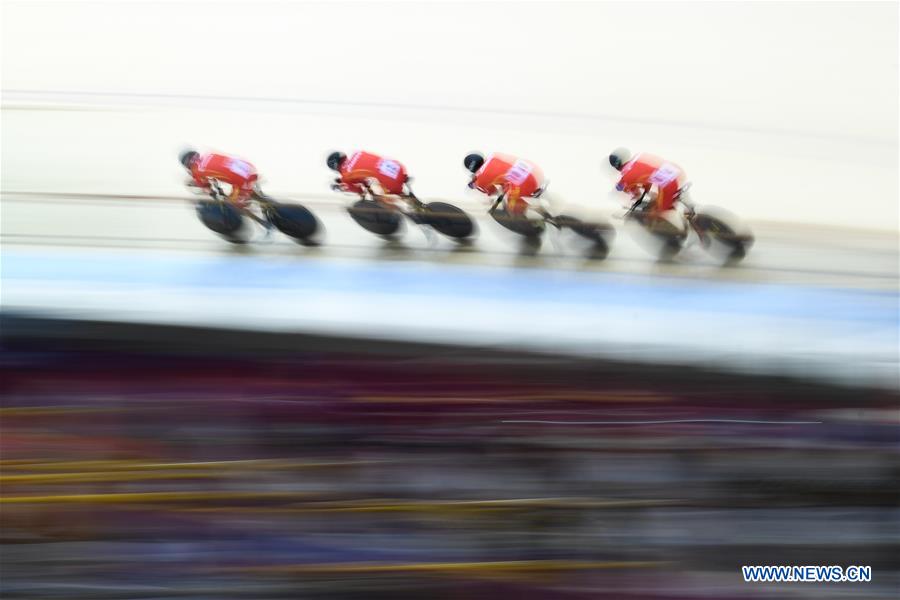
column 596, row 232
column 224, row 219
column 449, row 220
column 602, row 234
column 714, row 230
column 517, row 224
column 660, row 237
column 293, row 220
column 376, row 218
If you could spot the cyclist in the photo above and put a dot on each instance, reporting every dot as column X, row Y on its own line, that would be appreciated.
column 651, row 179
column 365, row 171
column 208, row 171
column 514, row 179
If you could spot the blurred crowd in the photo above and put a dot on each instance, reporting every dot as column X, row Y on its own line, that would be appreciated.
column 153, row 469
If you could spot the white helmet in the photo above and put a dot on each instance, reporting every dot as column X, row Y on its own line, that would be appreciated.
column 619, row 157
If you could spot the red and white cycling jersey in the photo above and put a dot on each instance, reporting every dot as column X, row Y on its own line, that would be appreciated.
column 515, row 177
column 365, row 167
column 239, row 174
column 646, row 170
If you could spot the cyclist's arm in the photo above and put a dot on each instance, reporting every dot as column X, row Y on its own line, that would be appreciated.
column 198, row 181
column 634, row 188
column 236, row 192
column 497, row 187
column 356, row 188
column 192, row 182
column 353, row 185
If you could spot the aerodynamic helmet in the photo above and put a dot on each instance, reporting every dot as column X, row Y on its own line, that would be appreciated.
column 335, row 159
column 187, row 158
column 473, row 162
column 619, row 157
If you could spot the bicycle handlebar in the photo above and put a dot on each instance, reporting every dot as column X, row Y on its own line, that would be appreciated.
column 637, row 202
column 217, row 192
column 496, row 203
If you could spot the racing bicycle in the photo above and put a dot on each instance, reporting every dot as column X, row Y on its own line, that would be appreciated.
column 381, row 216
column 600, row 234
column 720, row 233
column 233, row 223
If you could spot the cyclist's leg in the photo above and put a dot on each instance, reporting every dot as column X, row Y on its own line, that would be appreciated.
column 663, row 216
column 516, row 206
column 241, row 199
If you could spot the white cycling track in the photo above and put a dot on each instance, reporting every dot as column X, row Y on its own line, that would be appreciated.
column 801, row 304
column 96, row 225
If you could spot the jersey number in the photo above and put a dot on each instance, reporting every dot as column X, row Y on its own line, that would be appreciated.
column 244, row 169
column 664, row 175
column 391, row 168
column 518, row 173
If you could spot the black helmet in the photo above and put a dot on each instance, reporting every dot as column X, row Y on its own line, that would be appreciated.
column 619, row 157
column 335, row 159
column 187, row 157
column 473, row 162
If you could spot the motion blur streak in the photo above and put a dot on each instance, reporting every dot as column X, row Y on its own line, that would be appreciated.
column 148, row 458
column 185, row 418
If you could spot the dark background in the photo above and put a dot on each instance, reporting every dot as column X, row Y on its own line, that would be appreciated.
column 145, row 461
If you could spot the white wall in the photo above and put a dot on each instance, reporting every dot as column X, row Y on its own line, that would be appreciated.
column 777, row 110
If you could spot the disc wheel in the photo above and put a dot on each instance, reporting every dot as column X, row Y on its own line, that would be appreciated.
column 376, row 218
column 449, row 220
column 714, row 230
column 521, row 225
column 223, row 219
column 294, row 220
column 601, row 234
